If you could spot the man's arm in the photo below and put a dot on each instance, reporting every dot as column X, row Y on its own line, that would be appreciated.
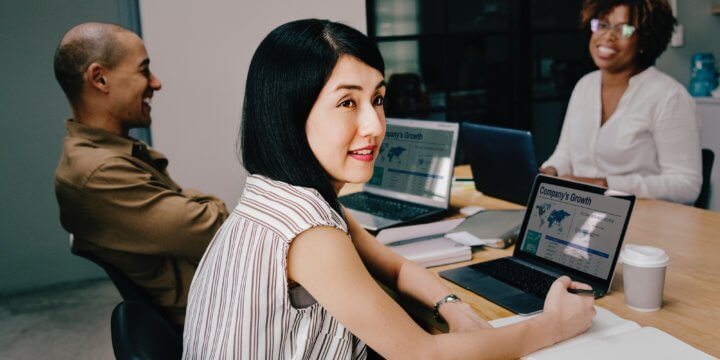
column 132, row 211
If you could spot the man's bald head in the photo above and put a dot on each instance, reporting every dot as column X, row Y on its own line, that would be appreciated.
column 81, row 46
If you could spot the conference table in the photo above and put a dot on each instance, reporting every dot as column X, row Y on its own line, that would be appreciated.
column 691, row 237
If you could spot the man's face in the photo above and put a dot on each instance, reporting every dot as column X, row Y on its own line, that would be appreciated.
column 132, row 84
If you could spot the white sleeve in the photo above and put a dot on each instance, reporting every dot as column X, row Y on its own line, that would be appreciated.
column 677, row 140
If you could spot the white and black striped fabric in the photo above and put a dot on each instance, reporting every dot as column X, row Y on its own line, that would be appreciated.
column 240, row 306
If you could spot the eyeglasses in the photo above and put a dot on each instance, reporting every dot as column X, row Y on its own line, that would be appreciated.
column 621, row 30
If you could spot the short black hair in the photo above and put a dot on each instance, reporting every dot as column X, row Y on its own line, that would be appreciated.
column 287, row 72
column 81, row 46
column 653, row 20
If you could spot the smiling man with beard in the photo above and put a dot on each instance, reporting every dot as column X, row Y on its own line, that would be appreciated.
column 114, row 192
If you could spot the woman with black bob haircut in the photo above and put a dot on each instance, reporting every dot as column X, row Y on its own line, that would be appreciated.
column 628, row 126
column 285, row 77
column 288, row 275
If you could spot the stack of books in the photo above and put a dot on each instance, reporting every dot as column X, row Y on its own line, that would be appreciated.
column 450, row 241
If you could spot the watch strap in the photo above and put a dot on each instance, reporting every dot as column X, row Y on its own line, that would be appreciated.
column 450, row 298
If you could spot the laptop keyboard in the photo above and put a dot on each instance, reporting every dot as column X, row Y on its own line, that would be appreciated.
column 522, row 277
column 384, row 207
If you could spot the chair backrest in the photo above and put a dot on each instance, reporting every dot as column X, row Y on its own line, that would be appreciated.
column 126, row 287
column 708, row 158
column 140, row 333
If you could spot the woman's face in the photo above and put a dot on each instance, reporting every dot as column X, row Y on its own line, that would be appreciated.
column 346, row 125
column 610, row 51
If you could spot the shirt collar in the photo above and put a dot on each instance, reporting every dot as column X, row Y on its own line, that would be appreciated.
column 124, row 145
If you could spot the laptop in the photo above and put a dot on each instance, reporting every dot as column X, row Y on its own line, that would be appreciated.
column 412, row 176
column 569, row 229
column 502, row 160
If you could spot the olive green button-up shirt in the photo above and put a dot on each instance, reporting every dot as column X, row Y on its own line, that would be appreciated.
column 118, row 200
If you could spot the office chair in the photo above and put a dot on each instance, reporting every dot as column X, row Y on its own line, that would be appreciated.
column 708, row 158
column 141, row 333
column 128, row 290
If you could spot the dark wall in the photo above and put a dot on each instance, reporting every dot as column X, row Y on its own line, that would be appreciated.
column 33, row 246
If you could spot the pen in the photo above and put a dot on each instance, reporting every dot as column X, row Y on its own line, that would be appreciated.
column 583, row 292
column 463, row 179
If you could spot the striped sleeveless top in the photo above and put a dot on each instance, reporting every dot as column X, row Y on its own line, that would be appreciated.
column 240, row 306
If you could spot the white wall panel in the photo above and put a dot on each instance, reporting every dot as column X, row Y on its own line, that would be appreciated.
column 201, row 50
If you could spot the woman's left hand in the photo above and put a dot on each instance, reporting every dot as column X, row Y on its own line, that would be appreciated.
column 460, row 317
column 602, row 182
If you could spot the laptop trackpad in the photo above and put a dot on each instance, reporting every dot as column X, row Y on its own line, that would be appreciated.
column 494, row 288
column 523, row 304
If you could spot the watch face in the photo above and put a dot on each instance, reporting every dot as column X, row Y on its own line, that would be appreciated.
column 450, row 299
column 447, row 299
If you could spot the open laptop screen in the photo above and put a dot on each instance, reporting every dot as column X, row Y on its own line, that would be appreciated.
column 415, row 161
column 578, row 229
column 502, row 160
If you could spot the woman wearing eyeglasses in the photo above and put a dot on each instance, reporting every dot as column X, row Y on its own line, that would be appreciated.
column 628, row 126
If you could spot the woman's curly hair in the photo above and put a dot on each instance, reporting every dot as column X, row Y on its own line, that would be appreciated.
column 653, row 20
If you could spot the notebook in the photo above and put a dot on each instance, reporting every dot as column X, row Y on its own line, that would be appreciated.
column 612, row 337
column 426, row 244
column 569, row 228
column 412, row 176
column 502, row 161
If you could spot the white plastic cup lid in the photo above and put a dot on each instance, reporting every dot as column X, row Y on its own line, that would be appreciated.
column 644, row 256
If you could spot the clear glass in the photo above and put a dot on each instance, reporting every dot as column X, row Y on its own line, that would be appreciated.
column 480, row 75
column 408, row 17
column 414, row 71
column 600, row 27
column 555, row 14
column 479, row 15
column 558, row 61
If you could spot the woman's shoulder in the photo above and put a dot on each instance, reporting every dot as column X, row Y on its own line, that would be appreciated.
column 654, row 80
column 590, row 79
column 654, row 90
column 286, row 209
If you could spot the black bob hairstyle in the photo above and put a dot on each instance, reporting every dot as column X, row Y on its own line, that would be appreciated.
column 287, row 72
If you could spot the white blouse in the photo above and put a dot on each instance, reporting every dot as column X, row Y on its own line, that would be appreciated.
column 649, row 147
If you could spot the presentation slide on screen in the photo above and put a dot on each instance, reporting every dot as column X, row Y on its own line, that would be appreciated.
column 575, row 228
column 415, row 161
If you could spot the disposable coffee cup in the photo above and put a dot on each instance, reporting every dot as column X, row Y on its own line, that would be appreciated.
column 644, row 276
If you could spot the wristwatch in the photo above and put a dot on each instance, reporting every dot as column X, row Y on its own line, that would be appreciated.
column 450, row 298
